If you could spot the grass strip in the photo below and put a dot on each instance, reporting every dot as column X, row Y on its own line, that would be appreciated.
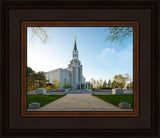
column 42, row 99
column 116, row 99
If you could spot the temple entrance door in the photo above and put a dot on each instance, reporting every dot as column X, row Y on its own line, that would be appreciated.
column 82, row 86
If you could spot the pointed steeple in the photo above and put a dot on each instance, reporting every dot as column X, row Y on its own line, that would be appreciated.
column 75, row 46
column 75, row 51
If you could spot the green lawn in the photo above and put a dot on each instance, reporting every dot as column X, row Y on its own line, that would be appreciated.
column 116, row 99
column 42, row 99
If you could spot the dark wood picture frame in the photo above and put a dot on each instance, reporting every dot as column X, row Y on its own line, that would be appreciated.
column 134, row 24
column 145, row 123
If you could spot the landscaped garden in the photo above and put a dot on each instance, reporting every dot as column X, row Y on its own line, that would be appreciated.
column 116, row 99
column 42, row 99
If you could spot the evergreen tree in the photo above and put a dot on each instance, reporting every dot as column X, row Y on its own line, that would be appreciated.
column 35, row 80
column 104, row 84
column 100, row 83
column 29, row 71
column 109, row 83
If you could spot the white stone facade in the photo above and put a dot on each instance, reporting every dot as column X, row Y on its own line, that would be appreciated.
column 60, row 74
column 72, row 75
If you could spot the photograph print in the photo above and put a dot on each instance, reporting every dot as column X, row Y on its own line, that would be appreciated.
column 80, row 69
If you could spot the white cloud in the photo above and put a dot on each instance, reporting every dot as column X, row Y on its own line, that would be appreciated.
column 107, row 51
column 111, row 56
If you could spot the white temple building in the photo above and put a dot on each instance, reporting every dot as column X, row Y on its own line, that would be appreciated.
column 72, row 75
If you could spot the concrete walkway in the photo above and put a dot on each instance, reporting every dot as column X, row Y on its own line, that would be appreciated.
column 79, row 102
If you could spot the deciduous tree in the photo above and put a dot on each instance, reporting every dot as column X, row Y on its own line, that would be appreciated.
column 56, row 84
column 119, row 34
column 39, row 32
column 120, row 80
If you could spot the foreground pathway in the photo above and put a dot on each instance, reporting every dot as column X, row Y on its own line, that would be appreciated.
column 79, row 102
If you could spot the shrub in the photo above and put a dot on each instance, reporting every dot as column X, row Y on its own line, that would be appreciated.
column 107, row 88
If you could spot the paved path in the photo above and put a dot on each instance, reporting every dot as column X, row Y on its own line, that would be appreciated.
column 79, row 102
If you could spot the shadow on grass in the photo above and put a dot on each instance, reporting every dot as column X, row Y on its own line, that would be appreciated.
column 116, row 99
column 42, row 99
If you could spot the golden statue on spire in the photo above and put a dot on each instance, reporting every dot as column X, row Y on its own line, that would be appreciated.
column 75, row 37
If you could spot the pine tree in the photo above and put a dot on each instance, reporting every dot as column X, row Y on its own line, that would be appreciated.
column 104, row 84
column 109, row 83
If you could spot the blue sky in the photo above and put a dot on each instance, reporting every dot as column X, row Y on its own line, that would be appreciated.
column 101, row 59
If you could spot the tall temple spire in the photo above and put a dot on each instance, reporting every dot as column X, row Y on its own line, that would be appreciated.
column 75, row 46
column 75, row 51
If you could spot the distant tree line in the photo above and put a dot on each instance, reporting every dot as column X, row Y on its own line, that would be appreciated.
column 38, row 80
column 119, row 81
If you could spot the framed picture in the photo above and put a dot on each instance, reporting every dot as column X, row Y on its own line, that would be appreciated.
column 80, row 68
column 82, row 94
